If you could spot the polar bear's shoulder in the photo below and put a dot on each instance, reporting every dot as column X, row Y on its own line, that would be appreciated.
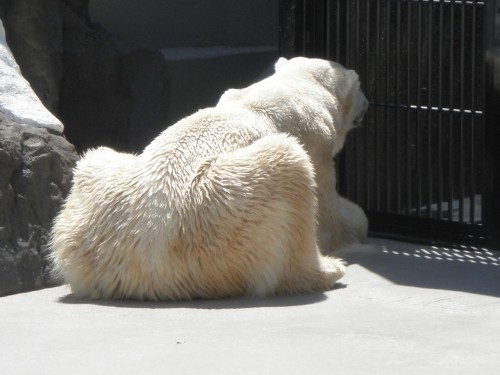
column 99, row 164
column 104, row 156
column 231, row 95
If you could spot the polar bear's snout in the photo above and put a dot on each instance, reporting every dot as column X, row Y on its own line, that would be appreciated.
column 362, row 107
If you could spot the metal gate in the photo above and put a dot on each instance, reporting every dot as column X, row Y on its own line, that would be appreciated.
column 425, row 164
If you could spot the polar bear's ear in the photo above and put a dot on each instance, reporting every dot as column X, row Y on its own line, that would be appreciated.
column 281, row 61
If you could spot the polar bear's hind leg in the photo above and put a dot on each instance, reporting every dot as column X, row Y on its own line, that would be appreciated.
column 258, row 212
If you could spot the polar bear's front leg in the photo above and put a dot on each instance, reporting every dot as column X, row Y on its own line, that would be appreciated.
column 341, row 222
column 353, row 220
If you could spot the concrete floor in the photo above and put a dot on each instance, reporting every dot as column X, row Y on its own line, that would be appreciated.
column 401, row 309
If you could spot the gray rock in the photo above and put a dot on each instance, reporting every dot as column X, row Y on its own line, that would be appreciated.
column 80, row 7
column 18, row 101
column 35, row 176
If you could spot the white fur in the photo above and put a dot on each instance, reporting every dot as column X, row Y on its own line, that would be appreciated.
column 222, row 203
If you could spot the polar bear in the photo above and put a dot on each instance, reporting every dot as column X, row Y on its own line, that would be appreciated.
column 233, row 200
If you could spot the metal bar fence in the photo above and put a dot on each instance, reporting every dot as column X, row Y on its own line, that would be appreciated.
column 420, row 154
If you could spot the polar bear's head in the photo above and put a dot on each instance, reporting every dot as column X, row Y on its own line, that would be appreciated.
column 343, row 85
column 304, row 93
column 339, row 81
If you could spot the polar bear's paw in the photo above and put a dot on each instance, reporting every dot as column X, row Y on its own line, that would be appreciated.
column 320, row 278
column 330, row 271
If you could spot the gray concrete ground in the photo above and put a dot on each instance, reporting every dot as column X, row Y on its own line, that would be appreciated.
column 401, row 309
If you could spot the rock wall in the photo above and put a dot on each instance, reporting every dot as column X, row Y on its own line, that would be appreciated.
column 34, row 34
column 35, row 176
column 17, row 99
column 105, row 90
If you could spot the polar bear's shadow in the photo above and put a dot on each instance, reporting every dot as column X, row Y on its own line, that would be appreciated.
column 208, row 304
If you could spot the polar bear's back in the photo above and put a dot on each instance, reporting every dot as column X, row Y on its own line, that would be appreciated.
column 209, row 131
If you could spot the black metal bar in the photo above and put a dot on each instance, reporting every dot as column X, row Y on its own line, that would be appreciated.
column 350, row 182
column 419, row 104
column 348, row 39
column 429, row 113
column 376, row 112
column 387, row 160
column 472, row 210
column 304, row 23
column 337, row 24
column 408, row 103
column 440, row 114
column 367, row 85
column 461, row 2
column 397, row 117
column 303, row 35
column 357, row 165
column 328, row 32
column 432, row 109
column 461, row 150
column 451, row 140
